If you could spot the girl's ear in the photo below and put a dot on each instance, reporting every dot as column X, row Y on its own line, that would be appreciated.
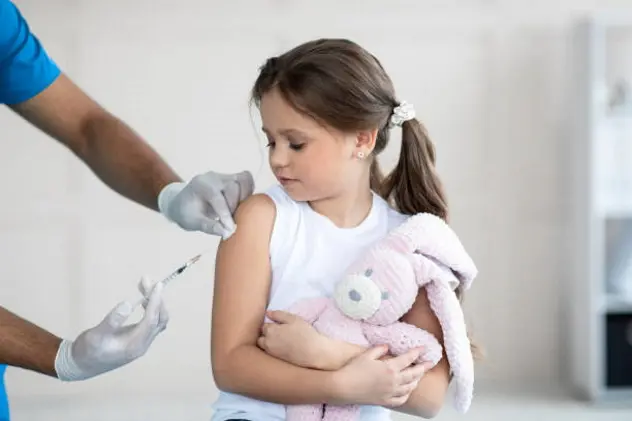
column 365, row 141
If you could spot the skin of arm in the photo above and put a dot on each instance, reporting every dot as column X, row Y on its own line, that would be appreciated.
column 427, row 399
column 25, row 345
column 116, row 155
column 242, row 283
column 110, row 148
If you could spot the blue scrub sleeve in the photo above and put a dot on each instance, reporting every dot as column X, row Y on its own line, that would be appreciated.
column 25, row 67
column 25, row 71
column 4, row 402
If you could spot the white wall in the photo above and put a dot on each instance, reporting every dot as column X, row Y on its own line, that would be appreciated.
column 487, row 78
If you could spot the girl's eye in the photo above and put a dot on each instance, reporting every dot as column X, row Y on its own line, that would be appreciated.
column 296, row 147
column 270, row 144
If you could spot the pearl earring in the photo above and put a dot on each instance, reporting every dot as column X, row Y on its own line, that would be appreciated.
column 360, row 155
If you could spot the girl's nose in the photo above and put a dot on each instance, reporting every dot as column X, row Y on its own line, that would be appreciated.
column 279, row 156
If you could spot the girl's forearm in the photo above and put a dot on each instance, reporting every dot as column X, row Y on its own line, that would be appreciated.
column 427, row 399
column 424, row 402
column 336, row 354
column 251, row 372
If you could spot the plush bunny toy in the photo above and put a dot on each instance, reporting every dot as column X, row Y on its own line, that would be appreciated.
column 381, row 287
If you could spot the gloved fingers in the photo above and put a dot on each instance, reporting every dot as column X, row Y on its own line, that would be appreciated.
column 232, row 195
column 150, row 327
column 210, row 188
column 221, row 208
column 145, row 285
column 151, row 318
column 163, row 317
column 118, row 315
column 213, row 227
column 246, row 184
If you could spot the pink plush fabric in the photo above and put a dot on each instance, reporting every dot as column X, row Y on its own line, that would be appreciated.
column 381, row 287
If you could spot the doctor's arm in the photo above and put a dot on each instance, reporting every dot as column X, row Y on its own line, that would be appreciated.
column 25, row 345
column 33, row 86
column 112, row 150
column 129, row 165
column 108, row 345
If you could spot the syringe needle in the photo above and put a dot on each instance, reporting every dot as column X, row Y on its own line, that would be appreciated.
column 169, row 278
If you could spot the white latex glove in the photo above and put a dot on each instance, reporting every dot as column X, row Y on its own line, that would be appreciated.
column 111, row 344
column 207, row 203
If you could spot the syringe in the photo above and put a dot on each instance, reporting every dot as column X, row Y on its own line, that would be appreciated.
column 169, row 278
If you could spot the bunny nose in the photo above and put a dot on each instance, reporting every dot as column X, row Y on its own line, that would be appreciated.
column 355, row 295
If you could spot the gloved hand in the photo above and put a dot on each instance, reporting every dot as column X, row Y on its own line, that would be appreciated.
column 110, row 344
column 207, row 203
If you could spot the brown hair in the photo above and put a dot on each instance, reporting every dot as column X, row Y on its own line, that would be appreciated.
column 340, row 84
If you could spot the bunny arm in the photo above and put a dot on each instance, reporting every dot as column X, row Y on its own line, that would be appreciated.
column 309, row 309
column 401, row 337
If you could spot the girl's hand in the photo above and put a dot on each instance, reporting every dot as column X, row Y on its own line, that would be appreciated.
column 293, row 340
column 369, row 380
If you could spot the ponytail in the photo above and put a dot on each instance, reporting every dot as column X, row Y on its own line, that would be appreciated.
column 414, row 186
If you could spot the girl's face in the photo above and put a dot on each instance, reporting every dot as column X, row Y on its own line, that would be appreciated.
column 310, row 161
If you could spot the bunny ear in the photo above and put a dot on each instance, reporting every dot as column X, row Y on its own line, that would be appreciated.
column 457, row 345
column 397, row 240
column 428, row 235
column 428, row 269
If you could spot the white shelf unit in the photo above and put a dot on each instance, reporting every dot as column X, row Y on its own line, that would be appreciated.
column 600, row 212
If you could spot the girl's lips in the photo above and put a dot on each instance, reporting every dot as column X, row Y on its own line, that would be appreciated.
column 285, row 180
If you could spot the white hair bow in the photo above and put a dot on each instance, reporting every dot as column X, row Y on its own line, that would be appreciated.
column 403, row 112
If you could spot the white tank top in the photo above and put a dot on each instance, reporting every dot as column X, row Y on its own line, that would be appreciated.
column 308, row 254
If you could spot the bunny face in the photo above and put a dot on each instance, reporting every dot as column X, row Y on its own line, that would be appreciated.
column 379, row 288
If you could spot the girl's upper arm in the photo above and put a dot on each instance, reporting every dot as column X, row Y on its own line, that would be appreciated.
column 429, row 396
column 242, row 280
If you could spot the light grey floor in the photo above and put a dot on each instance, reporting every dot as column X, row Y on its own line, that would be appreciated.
column 545, row 405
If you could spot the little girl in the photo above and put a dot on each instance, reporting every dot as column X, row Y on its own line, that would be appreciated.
column 327, row 108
